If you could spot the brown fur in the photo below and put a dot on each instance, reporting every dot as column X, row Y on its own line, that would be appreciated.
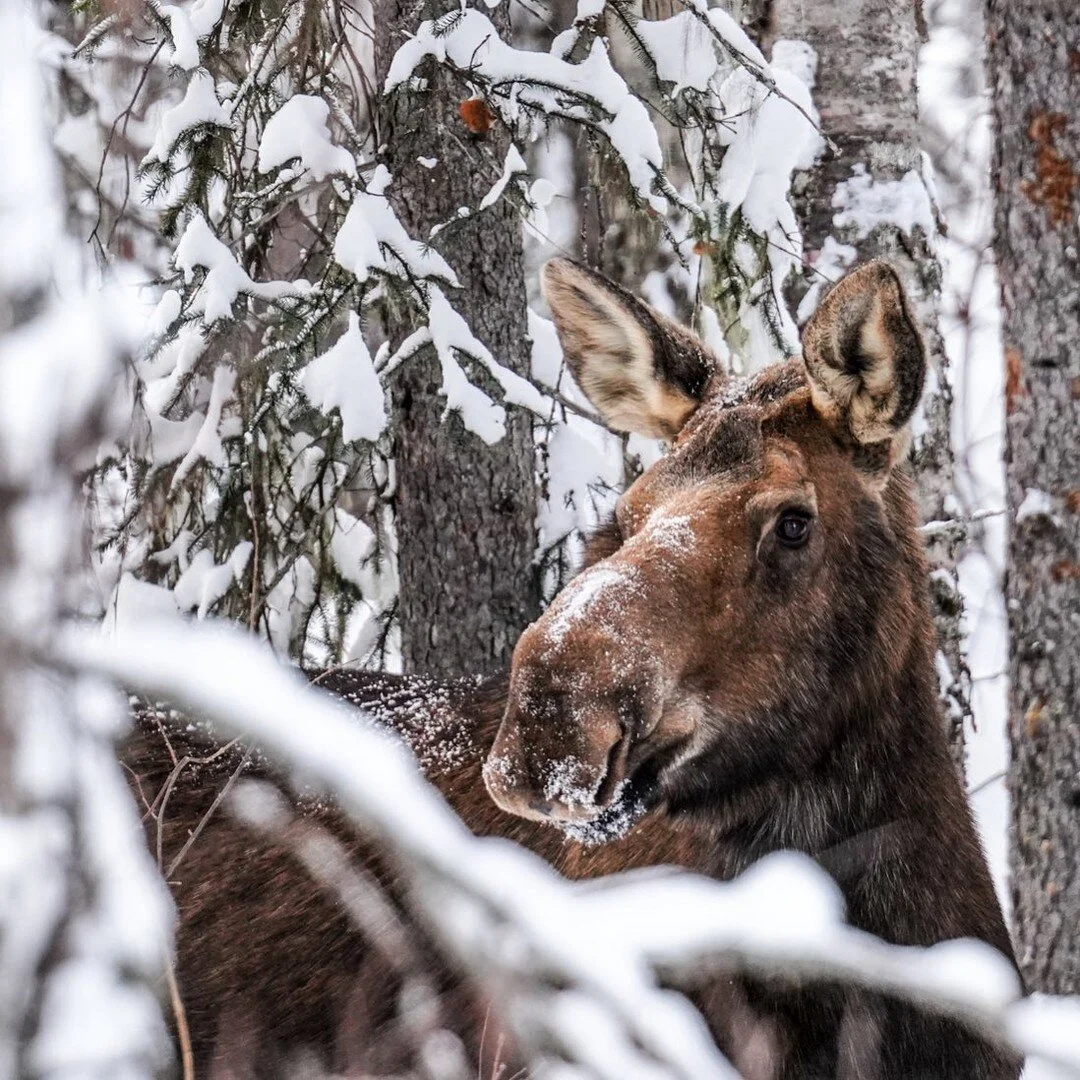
column 737, row 695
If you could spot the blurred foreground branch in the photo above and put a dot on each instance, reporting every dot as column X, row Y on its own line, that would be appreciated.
column 556, row 953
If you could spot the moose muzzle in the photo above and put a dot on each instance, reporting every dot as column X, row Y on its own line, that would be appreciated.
column 584, row 694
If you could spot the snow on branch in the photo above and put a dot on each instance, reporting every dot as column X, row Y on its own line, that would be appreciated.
column 371, row 238
column 199, row 107
column 224, row 279
column 557, row 951
column 188, row 25
column 755, row 120
column 591, row 92
column 503, row 912
column 299, row 130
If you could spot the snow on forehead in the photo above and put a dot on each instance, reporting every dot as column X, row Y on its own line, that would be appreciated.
column 663, row 533
column 725, row 434
column 581, row 595
column 763, row 388
column 670, row 532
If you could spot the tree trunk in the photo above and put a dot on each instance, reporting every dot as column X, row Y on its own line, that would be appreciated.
column 465, row 511
column 866, row 94
column 1035, row 86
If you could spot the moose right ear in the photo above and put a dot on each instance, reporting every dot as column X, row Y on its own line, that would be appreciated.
column 865, row 358
column 642, row 372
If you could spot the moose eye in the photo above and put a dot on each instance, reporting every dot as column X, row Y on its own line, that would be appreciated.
column 793, row 528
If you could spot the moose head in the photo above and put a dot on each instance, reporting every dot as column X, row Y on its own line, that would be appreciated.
column 753, row 587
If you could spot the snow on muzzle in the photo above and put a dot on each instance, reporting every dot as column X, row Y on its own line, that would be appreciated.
column 584, row 692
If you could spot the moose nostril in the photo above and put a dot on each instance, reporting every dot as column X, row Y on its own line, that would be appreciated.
column 540, row 806
column 616, row 770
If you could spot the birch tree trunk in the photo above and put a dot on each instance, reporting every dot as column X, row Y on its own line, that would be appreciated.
column 1035, row 85
column 869, row 200
column 465, row 512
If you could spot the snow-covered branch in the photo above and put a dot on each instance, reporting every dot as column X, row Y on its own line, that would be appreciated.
column 81, row 910
column 557, row 952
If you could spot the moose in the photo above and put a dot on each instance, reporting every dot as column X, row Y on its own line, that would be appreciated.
column 745, row 663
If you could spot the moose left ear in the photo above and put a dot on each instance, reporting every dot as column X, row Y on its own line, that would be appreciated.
column 641, row 371
column 866, row 361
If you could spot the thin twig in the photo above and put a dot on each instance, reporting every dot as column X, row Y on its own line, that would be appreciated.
column 934, row 528
column 983, row 784
column 183, row 1033
column 205, row 819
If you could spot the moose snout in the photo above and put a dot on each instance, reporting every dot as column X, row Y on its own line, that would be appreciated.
column 561, row 772
column 578, row 706
column 589, row 684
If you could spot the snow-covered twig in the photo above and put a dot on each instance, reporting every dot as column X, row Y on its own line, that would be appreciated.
column 933, row 528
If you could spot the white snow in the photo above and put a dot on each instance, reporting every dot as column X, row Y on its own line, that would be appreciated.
column 188, row 24
column 83, row 917
column 833, row 261
column 87, row 1018
column 575, row 603
column 163, row 370
column 461, row 880
column 682, row 49
column 769, row 140
column 546, row 358
column 52, row 373
column 164, row 314
column 1035, row 503
column 468, row 41
column 450, row 335
column 766, row 131
column 581, row 459
column 513, row 166
column 206, row 445
column 351, row 546
column 371, row 238
column 605, row 944
column 730, row 32
column 796, row 57
column 672, row 533
column 450, row 331
column 1042, row 1023
column 863, row 203
column 782, row 917
column 542, row 192
column 134, row 602
column 172, row 439
column 299, row 130
column 199, row 106
column 225, row 278
column 344, row 378
column 204, row 582
column 602, row 940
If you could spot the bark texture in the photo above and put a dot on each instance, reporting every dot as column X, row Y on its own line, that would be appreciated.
column 865, row 92
column 1035, row 81
column 465, row 511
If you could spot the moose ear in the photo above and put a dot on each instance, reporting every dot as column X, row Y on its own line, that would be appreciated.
column 641, row 371
column 865, row 359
